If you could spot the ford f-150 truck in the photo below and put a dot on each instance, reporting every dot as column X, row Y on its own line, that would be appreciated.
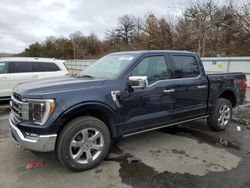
column 123, row 93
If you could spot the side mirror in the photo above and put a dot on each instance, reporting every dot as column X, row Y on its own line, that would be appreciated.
column 138, row 82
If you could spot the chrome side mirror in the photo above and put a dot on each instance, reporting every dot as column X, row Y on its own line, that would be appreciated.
column 138, row 82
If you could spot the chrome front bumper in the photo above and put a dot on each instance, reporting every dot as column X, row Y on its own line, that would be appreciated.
column 41, row 143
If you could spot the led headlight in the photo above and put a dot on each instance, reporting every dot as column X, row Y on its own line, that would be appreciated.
column 38, row 111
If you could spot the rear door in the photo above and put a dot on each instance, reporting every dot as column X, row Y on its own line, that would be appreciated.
column 191, row 87
column 45, row 69
column 4, row 80
column 21, row 72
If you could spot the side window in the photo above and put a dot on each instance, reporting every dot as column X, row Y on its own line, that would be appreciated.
column 185, row 67
column 3, row 67
column 44, row 67
column 153, row 67
column 19, row 67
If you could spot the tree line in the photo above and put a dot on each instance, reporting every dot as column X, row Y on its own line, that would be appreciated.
column 207, row 27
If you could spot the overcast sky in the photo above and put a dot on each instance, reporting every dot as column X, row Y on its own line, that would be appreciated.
column 23, row 22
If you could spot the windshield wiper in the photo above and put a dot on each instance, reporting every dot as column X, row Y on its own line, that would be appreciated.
column 85, row 76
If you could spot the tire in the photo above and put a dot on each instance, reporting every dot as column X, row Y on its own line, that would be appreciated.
column 83, row 143
column 221, row 115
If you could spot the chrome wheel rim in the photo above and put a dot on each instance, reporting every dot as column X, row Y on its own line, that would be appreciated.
column 224, row 115
column 86, row 146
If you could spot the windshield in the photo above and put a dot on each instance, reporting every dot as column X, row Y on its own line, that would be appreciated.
column 109, row 66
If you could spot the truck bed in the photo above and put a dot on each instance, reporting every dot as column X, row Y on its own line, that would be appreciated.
column 220, row 81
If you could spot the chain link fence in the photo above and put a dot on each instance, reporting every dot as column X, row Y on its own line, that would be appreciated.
column 75, row 66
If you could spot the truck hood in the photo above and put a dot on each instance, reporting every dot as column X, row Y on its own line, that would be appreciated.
column 45, row 87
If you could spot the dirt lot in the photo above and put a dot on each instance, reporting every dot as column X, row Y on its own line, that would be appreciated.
column 186, row 156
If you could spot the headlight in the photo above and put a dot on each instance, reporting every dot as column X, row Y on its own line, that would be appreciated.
column 38, row 111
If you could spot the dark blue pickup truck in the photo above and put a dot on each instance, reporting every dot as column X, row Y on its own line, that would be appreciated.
column 121, row 94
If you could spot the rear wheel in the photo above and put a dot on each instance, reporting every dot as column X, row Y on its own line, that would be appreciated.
column 221, row 115
column 83, row 143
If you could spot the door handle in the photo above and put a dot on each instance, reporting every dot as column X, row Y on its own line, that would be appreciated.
column 3, row 78
column 169, row 90
column 35, row 76
column 200, row 87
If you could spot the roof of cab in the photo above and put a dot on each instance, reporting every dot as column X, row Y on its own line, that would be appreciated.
column 152, row 51
column 37, row 59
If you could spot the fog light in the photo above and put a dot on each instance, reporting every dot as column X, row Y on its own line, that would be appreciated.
column 30, row 135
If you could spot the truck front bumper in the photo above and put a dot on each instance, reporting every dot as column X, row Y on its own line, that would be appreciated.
column 34, row 142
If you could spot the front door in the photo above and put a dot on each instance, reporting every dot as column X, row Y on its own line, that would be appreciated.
column 151, row 106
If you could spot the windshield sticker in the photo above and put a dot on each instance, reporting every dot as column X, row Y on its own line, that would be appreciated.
column 126, row 58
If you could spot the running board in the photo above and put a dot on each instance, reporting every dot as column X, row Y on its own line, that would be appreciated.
column 168, row 125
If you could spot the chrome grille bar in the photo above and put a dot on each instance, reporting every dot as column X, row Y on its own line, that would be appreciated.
column 16, row 108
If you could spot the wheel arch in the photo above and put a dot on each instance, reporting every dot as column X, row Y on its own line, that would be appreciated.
column 230, row 95
column 94, row 109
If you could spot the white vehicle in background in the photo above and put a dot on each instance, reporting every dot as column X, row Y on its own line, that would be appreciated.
column 15, row 70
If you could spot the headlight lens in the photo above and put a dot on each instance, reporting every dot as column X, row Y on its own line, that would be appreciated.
column 38, row 111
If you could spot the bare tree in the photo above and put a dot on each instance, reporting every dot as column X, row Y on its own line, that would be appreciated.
column 76, row 40
column 126, row 27
column 138, row 28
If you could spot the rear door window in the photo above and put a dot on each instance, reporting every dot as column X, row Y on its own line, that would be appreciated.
column 21, row 67
column 3, row 67
column 185, row 66
column 44, row 67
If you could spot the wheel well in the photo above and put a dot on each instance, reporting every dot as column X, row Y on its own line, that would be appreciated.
column 229, row 95
column 99, row 114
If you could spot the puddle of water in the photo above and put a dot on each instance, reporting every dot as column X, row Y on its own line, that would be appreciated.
column 178, row 154
column 203, row 136
column 140, row 175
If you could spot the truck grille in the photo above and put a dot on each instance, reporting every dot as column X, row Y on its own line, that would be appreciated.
column 17, row 105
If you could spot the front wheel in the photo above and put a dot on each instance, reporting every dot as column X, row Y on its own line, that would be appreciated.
column 221, row 115
column 83, row 143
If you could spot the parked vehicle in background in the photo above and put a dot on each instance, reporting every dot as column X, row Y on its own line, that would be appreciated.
column 15, row 70
column 121, row 94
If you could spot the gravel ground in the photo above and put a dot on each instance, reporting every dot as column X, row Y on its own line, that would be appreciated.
column 241, row 114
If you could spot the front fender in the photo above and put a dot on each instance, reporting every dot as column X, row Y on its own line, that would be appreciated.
column 85, row 107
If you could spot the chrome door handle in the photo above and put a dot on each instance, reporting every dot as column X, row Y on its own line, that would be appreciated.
column 200, row 87
column 169, row 90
